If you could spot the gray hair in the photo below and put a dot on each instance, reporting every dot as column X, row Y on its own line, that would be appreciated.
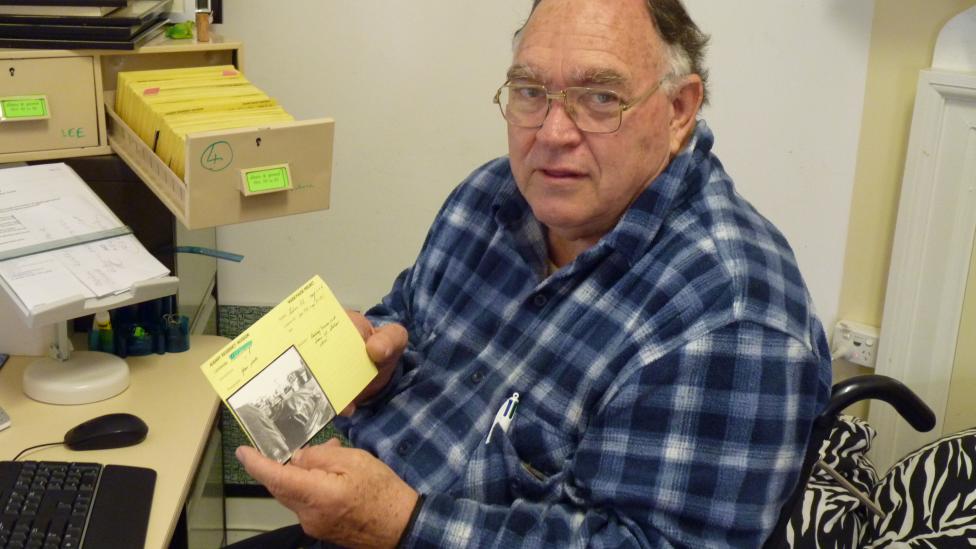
column 685, row 43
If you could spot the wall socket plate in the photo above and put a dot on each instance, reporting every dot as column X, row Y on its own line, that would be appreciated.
column 858, row 341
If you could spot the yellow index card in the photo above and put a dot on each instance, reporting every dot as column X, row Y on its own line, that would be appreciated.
column 289, row 374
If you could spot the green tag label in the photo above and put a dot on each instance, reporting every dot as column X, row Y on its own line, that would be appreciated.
column 240, row 350
column 271, row 179
column 30, row 107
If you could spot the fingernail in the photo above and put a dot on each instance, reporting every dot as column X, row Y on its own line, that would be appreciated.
column 239, row 453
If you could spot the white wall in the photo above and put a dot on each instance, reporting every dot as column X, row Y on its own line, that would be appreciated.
column 410, row 84
column 788, row 83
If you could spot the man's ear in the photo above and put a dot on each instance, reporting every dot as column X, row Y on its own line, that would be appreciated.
column 685, row 102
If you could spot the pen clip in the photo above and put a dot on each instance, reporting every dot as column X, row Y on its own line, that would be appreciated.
column 504, row 416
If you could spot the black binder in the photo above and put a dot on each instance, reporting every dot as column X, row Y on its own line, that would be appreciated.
column 136, row 12
column 151, row 31
column 72, row 32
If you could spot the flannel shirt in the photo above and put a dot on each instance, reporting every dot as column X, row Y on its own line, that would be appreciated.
column 668, row 376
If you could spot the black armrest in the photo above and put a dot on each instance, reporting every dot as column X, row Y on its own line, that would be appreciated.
column 879, row 387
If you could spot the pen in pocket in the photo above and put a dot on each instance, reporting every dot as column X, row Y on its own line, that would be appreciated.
column 504, row 416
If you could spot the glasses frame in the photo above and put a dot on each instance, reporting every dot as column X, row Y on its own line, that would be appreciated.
column 570, row 110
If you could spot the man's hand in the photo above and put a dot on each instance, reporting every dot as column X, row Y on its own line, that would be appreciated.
column 384, row 345
column 341, row 495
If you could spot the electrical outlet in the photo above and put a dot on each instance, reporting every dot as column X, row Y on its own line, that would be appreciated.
column 858, row 343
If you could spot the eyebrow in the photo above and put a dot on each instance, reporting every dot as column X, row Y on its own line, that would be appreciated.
column 603, row 77
column 522, row 72
column 582, row 77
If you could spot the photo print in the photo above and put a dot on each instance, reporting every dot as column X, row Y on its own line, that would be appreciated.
column 283, row 406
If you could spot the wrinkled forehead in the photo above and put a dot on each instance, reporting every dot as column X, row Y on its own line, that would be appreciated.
column 572, row 39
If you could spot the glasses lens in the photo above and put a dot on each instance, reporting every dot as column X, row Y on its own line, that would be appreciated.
column 593, row 110
column 523, row 105
column 596, row 111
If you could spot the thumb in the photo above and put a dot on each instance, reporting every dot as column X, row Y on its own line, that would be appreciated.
column 386, row 344
column 362, row 324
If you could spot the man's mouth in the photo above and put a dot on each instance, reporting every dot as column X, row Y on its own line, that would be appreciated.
column 558, row 173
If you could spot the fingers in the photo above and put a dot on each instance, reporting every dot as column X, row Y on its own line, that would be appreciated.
column 361, row 323
column 383, row 344
column 386, row 344
column 384, row 348
column 340, row 494
column 284, row 482
column 329, row 456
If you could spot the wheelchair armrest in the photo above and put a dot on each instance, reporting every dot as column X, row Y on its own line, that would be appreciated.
column 875, row 386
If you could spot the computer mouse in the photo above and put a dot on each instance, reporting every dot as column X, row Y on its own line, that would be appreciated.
column 108, row 431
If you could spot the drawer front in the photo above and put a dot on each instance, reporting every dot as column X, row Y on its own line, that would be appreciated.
column 68, row 83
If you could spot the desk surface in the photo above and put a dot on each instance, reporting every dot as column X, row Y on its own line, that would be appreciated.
column 167, row 391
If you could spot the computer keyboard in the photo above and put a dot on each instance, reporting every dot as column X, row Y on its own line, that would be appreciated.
column 54, row 504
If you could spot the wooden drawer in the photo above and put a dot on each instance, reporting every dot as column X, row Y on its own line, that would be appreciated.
column 213, row 192
column 67, row 85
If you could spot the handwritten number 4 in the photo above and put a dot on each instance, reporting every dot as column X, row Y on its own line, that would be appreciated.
column 213, row 157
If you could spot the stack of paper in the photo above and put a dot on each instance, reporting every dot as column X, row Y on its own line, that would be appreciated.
column 59, row 241
column 163, row 106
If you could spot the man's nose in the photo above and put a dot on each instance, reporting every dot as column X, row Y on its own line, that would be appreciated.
column 559, row 128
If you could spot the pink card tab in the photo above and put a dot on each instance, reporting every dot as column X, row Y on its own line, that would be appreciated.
column 228, row 72
column 150, row 91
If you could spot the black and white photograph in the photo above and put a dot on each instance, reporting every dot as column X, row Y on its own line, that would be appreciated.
column 283, row 406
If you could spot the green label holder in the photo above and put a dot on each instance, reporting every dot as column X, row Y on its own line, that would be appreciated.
column 265, row 180
column 22, row 108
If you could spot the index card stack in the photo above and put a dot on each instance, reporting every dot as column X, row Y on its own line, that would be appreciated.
column 163, row 106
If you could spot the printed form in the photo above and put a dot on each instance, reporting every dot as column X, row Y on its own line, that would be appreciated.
column 49, row 207
column 289, row 374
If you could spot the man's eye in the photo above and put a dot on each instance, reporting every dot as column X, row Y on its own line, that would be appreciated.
column 601, row 99
column 528, row 92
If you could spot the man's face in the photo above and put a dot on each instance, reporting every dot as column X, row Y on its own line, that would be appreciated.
column 579, row 184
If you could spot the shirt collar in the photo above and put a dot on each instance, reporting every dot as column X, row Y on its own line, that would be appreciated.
column 683, row 178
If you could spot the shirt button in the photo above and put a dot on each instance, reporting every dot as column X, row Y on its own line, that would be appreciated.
column 477, row 377
column 404, row 447
column 540, row 300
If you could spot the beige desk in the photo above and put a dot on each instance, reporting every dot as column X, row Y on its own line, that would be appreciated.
column 167, row 391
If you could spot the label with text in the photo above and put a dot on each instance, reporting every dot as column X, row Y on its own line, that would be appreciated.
column 266, row 179
column 24, row 108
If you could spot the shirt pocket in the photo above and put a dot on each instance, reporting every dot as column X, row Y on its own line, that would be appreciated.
column 536, row 457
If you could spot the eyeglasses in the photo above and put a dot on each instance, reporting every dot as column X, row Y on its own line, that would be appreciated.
column 592, row 110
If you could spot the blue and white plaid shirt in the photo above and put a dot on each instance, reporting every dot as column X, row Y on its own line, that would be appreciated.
column 668, row 376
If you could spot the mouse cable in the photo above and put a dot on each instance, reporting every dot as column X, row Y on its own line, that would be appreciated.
column 25, row 450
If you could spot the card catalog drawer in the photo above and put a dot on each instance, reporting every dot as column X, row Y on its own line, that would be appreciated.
column 47, row 104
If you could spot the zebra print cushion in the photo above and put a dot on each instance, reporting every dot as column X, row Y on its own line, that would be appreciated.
column 929, row 496
column 829, row 516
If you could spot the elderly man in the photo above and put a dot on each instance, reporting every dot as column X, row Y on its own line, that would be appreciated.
column 607, row 345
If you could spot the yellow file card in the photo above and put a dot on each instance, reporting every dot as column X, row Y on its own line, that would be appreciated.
column 287, row 376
